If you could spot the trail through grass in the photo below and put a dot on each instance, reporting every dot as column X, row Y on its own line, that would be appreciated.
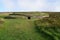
column 18, row 29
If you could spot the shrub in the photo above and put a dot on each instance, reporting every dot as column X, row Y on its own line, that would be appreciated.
column 49, row 26
column 9, row 17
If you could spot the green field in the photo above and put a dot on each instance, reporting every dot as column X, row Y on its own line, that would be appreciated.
column 25, row 29
column 18, row 29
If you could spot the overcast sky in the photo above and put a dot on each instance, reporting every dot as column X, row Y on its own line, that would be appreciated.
column 29, row 5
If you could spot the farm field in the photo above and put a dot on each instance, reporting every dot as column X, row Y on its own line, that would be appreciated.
column 28, row 29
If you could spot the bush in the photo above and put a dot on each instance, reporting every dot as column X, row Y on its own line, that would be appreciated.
column 9, row 17
column 49, row 26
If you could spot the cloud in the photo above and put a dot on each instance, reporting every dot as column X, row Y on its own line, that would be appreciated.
column 31, row 5
column 37, row 5
column 8, row 4
column 57, row 6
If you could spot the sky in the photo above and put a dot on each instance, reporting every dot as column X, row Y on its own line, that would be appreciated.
column 29, row 5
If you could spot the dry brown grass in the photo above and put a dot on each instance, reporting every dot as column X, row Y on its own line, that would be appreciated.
column 2, row 20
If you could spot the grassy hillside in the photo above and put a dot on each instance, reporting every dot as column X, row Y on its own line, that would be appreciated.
column 25, row 29
column 18, row 29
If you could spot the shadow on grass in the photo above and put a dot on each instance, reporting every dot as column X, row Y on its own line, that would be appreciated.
column 9, row 17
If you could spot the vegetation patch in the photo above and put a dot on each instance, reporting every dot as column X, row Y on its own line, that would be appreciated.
column 49, row 28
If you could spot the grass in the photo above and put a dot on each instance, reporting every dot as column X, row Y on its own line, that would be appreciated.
column 49, row 28
column 25, row 29
column 18, row 29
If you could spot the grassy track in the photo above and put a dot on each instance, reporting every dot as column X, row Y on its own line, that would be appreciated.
column 18, row 29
